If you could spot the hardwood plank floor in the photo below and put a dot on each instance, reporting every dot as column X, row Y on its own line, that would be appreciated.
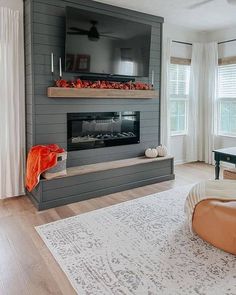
column 26, row 265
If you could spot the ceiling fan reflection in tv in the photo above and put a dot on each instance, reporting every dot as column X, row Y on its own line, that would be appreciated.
column 93, row 33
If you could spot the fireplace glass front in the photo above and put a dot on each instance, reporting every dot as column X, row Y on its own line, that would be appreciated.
column 97, row 130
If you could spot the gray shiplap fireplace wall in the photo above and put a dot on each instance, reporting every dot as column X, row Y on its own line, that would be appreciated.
column 46, row 117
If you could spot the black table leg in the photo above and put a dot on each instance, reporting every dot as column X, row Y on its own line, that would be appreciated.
column 217, row 170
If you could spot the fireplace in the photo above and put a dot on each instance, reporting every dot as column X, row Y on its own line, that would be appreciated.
column 103, row 129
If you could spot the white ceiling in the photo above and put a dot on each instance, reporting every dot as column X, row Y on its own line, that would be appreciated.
column 215, row 15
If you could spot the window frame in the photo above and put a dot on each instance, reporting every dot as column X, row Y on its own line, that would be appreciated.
column 185, row 131
column 220, row 100
column 219, row 131
column 182, row 98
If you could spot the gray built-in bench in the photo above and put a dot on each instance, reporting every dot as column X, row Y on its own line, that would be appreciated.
column 89, row 181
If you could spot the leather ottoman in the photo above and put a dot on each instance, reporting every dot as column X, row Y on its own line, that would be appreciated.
column 215, row 222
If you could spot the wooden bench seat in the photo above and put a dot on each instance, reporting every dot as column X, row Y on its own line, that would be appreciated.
column 89, row 181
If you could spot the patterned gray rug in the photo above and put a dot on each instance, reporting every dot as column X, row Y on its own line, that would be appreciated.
column 140, row 247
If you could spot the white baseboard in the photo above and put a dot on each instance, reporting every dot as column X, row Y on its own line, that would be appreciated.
column 180, row 162
column 222, row 164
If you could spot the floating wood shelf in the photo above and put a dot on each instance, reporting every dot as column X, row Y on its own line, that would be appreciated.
column 59, row 92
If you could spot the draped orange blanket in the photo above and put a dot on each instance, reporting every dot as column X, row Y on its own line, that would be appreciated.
column 40, row 159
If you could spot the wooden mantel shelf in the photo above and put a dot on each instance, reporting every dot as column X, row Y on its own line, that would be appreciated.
column 59, row 92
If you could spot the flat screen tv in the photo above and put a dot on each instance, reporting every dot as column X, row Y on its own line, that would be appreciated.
column 105, row 45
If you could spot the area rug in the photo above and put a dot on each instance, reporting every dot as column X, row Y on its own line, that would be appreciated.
column 141, row 247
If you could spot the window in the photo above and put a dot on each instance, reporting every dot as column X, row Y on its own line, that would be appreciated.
column 179, row 97
column 127, row 67
column 227, row 100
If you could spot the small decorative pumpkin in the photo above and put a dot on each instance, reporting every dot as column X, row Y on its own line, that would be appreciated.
column 151, row 153
column 162, row 151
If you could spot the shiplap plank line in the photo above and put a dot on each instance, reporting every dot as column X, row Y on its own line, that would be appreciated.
column 48, row 115
column 126, row 177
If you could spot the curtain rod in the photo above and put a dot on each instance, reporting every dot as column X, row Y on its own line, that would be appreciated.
column 181, row 42
column 222, row 42
column 186, row 43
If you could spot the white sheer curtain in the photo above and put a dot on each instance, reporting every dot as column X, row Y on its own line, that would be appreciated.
column 195, row 114
column 202, row 105
column 209, row 102
column 165, row 101
column 12, row 104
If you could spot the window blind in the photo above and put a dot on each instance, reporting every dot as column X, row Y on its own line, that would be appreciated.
column 179, row 80
column 227, row 81
column 179, row 96
column 227, row 99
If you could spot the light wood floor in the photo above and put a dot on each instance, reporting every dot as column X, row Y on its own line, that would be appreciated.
column 27, row 267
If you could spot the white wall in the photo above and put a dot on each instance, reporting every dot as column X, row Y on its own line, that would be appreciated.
column 225, row 50
column 13, row 4
column 178, row 50
column 182, row 34
column 178, row 33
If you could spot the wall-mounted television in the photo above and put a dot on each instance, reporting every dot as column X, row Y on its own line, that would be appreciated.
column 105, row 45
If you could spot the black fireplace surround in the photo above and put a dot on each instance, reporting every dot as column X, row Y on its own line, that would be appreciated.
column 103, row 129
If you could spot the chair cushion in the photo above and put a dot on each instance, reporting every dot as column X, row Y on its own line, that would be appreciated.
column 215, row 222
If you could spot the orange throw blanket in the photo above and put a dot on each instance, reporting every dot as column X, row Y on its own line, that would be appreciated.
column 40, row 159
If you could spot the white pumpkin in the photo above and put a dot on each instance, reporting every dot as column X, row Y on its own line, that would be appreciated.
column 151, row 153
column 162, row 151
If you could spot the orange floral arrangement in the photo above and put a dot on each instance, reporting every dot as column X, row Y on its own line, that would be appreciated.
column 103, row 85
